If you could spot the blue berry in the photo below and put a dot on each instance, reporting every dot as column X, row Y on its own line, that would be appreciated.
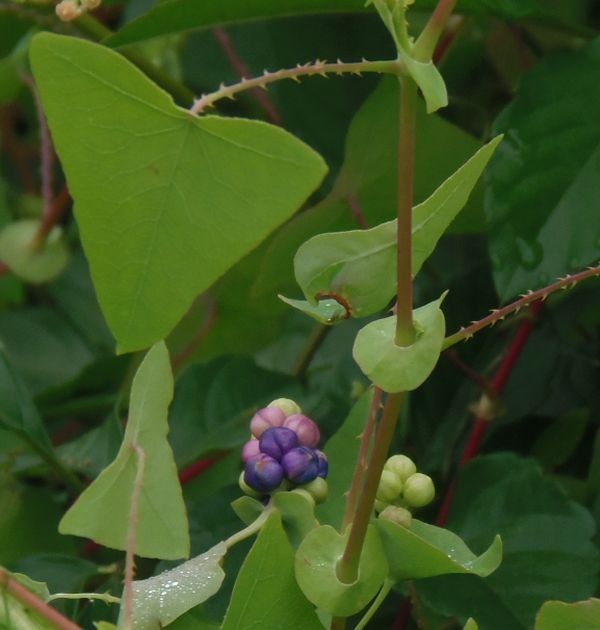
column 277, row 441
column 300, row 465
column 263, row 473
column 323, row 464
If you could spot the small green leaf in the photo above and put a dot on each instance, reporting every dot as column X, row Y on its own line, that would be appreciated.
column 401, row 368
column 297, row 515
column 563, row 616
column 326, row 312
column 102, row 511
column 33, row 265
column 166, row 201
column 471, row 624
column 265, row 594
column 247, row 509
column 424, row 550
column 316, row 571
column 342, row 450
column 159, row 600
column 360, row 265
column 430, row 82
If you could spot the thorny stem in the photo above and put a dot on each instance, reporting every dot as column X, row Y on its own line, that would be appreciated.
column 430, row 35
column 361, row 462
column 526, row 299
column 34, row 603
column 132, row 535
column 347, row 569
column 405, row 331
column 238, row 64
column 321, row 68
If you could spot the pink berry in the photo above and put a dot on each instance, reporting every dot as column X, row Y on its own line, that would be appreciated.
column 250, row 449
column 307, row 431
column 266, row 418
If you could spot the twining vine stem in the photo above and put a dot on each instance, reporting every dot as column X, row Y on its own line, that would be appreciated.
column 316, row 68
column 525, row 300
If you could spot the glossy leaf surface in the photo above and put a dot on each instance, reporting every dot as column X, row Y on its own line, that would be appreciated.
column 183, row 198
column 102, row 511
column 266, row 594
column 316, row 571
column 542, row 207
column 401, row 368
column 423, row 550
column 159, row 600
column 360, row 265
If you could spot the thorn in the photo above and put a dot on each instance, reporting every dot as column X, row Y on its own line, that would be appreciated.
column 295, row 78
column 338, row 60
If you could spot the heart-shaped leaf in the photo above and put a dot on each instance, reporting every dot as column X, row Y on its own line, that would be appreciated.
column 159, row 600
column 102, row 511
column 401, row 368
column 18, row 251
column 563, row 616
column 316, row 571
column 359, row 266
column 424, row 550
column 166, row 202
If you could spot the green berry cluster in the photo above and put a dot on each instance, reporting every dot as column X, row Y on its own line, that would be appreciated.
column 401, row 489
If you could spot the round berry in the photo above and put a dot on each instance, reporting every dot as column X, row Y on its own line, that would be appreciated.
column 403, row 466
column 390, row 487
column 263, row 473
column 395, row 514
column 246, row 489
column 418, row 490
column 317, row 488
column 307, row 431
column 300, row 465
column 67, row 10
column 288, row 406
column 277, row 441
column 250, row 449
column 264, row 419
column 323, row 463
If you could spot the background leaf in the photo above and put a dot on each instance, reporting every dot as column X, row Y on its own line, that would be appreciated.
column 562, row 616
column 541, row 207
column 207, row 191
column 102, row 510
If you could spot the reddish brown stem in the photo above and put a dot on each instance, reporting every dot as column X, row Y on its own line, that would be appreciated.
column 498, row 383
column 238, row 64
column 189, row 473
column 182, row 357
column 57, row 209
column 34, row 603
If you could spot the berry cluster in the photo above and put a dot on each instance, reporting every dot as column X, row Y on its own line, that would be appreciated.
column 282, row 453
column 402, row 488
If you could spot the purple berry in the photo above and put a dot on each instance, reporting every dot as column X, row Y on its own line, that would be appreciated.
column 323, row 463
column 263, row 473
column 250, row 449
column 277, row 441
column 266, row 418
column 307, row 431
column 300, row 465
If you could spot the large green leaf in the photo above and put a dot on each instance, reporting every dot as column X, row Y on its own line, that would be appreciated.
column 172, row 16
column 423, row 550
column 266, row 594
column 159, row 600
column 563, row 616
column 166, row 201
column 544, row 180
column 360, row 265
column 102, row 511
column 396, row 368
column 548, row 552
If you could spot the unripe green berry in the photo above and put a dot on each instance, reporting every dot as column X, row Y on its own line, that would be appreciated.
column 304, row 493
column 317, row 488
column 246, row 489
column 418, row 490
column 403, row 466
column 288, row 406
column 390, row 487
column 395, row 514
column 380, row 505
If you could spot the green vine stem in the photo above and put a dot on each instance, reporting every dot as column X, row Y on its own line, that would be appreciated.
column 568, row 282
column 374, row 607
column 103, row 597
column 252, row 529
column 430, row 35
column 316, row 68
